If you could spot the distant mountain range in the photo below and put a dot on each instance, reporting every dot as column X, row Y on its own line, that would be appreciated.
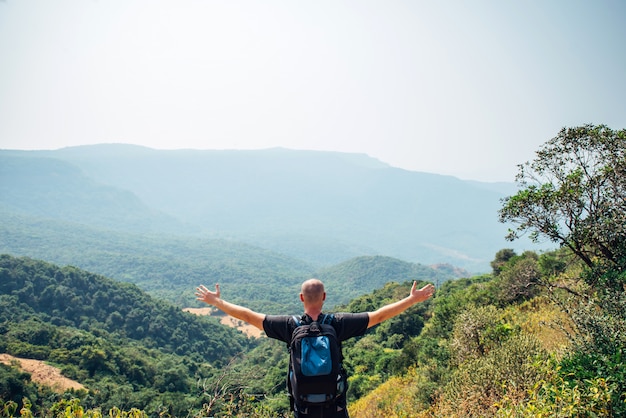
column 319, row 207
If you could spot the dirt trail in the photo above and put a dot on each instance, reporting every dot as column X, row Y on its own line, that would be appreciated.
column 43, row 374
column 247, row 329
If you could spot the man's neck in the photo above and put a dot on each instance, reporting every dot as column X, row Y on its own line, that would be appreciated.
column 313, row 313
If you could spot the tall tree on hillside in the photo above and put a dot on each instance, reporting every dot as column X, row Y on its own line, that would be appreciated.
column 574, row 194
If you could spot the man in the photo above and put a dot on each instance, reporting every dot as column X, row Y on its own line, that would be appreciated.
column 313, row 295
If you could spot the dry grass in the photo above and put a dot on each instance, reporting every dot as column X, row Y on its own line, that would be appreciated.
column 247, row 329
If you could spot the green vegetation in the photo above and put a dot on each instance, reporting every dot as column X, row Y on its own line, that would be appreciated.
column 477, row 349
column 482, row 355
column 171, row 267
column 164, row 266
column 543, row 334
column 133, row 351
column 129, row 349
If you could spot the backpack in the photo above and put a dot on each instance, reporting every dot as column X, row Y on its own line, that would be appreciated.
column 316, row 375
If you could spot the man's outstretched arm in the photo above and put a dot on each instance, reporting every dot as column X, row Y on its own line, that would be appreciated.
column 236, row 311
column 396, row 308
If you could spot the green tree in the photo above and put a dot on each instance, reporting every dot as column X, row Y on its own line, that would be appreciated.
column 519, row 279
column 501, row 259
column 574, row 194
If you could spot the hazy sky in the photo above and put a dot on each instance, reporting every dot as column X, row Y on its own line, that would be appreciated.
column 460, row 87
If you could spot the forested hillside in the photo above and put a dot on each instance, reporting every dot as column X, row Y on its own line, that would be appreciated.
column 129, row 349
column 320, row 207
column 110, row 337
column 357, row 276
column 171, row 267
column 167, row 267
column 499, row 344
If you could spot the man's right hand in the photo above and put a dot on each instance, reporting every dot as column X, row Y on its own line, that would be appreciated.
column 239, row 312
column 206, row 296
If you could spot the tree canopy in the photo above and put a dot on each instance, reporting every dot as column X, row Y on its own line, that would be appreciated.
column 574, row 194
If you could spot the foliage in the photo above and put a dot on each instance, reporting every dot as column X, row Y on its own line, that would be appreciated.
column 67, row 408
column 519, row 279
column 74, row 298
column 464, row 353
column 394, row 398
column 553, row 395
column 479, row 383
column 349, row 279
column 501, row 259
column 455, row 296
column 15, row 385
column 599, row 353
column 373, row 358
column 170, row 268
column 467, row 352
column 165, row 266
column 124, row 359
column 488, row 355
column 573, row 194
column 477, row 331
column 72, row 408
column 130, row 350
column 485, row 354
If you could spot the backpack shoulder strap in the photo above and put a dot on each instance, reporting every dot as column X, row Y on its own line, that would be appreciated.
column 328, row 319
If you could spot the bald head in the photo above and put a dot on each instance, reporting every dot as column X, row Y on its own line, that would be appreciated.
column 312, row 292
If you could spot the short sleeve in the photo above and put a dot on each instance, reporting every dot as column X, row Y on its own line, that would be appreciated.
column 278, row 327
column 351, row 325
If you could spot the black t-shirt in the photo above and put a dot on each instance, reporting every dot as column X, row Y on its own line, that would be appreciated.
column 347, row 325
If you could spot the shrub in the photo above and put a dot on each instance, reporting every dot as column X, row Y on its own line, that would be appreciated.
column 481, row 383
column 555, row 396
column 477, row 331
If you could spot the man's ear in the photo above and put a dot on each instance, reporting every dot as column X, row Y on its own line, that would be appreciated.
column 301, row 297
column 324, row 296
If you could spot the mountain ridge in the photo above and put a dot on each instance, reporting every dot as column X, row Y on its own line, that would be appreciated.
column 320, row 206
